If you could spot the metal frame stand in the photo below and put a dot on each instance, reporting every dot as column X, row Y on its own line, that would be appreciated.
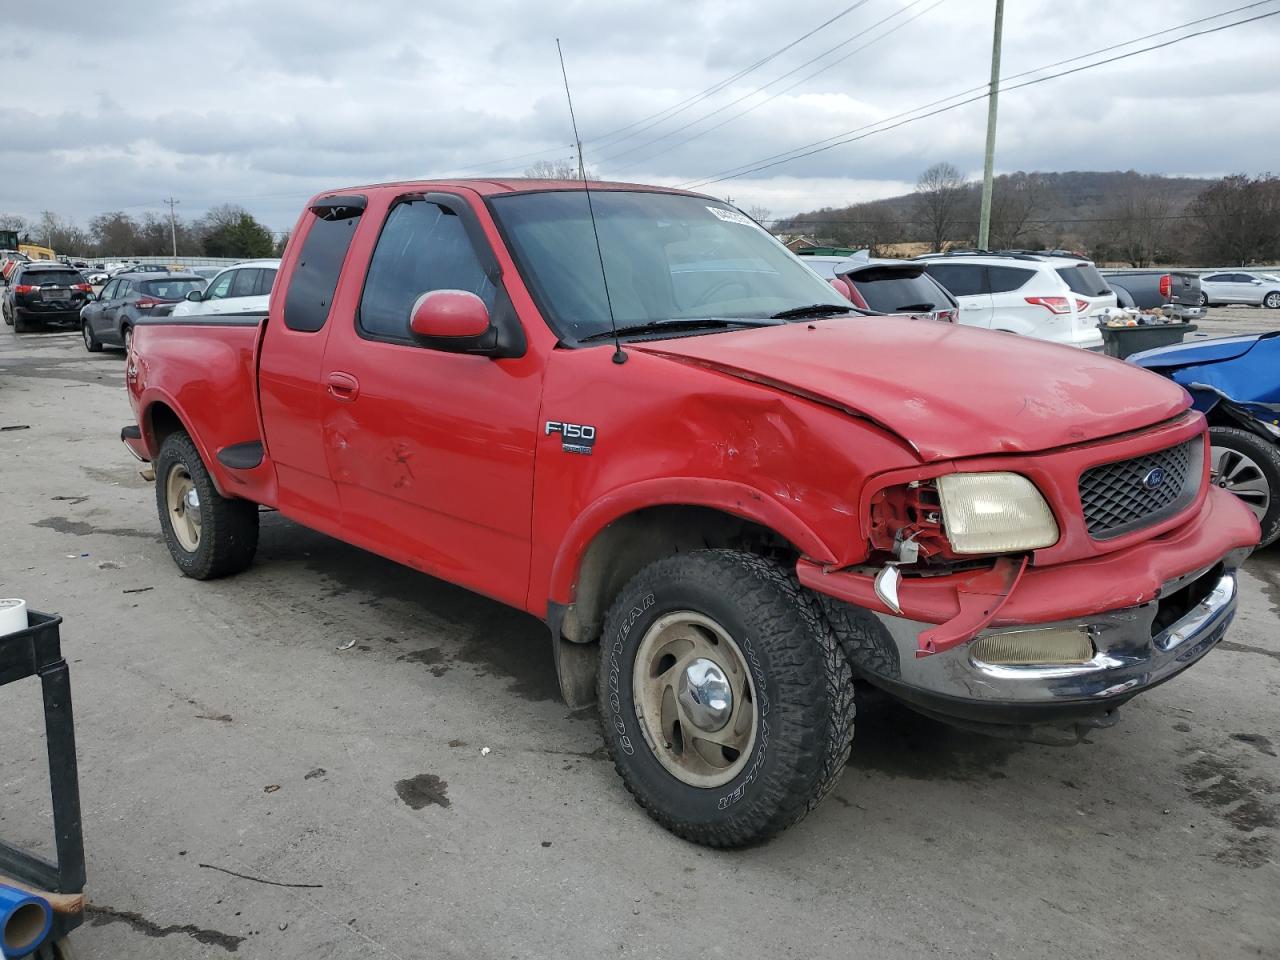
column 37, row 652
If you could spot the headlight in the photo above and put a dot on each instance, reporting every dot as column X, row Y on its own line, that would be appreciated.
column 995, row 513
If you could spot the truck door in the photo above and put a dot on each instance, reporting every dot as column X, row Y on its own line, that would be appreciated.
column 290, row 360
column 432, row 451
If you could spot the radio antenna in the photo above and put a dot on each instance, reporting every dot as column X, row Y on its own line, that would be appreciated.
column 618, row 355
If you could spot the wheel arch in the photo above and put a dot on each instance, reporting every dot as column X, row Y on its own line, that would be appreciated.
column 161, row 417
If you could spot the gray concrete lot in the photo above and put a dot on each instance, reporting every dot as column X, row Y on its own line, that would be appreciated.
column 223, row 731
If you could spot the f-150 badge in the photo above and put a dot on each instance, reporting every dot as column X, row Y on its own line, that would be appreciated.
column 574, row 437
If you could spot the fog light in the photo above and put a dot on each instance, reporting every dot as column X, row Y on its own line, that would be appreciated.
column 1047, row 645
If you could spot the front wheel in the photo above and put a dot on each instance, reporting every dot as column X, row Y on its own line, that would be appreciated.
column 1272, row 300
column 208, row 535
column 726, row 701
column 1247, row 465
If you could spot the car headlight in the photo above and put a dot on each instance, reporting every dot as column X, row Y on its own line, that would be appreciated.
column 994, row 513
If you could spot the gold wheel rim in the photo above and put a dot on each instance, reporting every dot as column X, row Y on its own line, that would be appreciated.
column 184, row 516
column 698, row 751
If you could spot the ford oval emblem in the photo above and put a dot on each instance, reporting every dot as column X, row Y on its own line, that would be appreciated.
column 1154, row 479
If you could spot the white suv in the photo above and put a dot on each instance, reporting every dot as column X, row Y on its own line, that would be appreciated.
column 242, row 288
column 1046, row 296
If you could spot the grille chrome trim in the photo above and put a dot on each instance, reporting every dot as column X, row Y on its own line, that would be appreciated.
column 1115, row 499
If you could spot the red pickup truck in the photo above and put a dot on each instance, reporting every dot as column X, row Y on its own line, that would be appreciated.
column 728, row 492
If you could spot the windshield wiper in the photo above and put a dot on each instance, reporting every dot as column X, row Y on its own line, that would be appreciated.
column 664, row 326
column 813, row 310
column 916, row 307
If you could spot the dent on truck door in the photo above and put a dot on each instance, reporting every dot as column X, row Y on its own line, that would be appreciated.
column 432, row 451
column 290, row 363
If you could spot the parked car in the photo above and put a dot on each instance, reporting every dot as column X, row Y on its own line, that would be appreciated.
column 242, row 288
column 207, row 272
column 888, row 286
column 109, row 318
column 724, row 488
column 1239, row 286
column 43, row 291
column 1046, row 297
column 1177, row 291
column 1235, row 383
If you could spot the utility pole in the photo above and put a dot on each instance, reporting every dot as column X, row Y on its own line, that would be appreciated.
column 173, row 221
column 993, row 99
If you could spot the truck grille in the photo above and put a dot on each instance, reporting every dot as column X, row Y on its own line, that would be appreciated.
column 1123, row 496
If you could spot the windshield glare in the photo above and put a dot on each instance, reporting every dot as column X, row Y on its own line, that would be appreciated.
column 666, row 257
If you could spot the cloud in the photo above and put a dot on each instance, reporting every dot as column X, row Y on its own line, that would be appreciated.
column 264, row 104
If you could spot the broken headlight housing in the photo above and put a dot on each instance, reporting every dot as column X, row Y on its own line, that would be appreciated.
column 994, row 513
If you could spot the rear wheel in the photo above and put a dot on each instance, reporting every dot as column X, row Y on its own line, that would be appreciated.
column 208, row 535
column 20, row 325
column 726, row 701
column 126, row 335
column 1272, row 300
column 90, row 341
column 1204, row 299
column 1248, row 466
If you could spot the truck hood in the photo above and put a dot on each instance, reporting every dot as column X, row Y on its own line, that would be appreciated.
column 948, row 391
column 1196, row 352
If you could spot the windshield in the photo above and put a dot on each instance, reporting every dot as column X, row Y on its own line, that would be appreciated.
column 667, row 257
column 174, row 289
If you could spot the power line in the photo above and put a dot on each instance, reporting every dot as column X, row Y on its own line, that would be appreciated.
column 715, row 88
column 841, row 139
column 763, row 87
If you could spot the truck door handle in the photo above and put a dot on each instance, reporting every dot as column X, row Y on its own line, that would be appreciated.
column 343, row 386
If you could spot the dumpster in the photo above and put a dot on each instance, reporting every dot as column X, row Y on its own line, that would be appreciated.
column 1123, row 341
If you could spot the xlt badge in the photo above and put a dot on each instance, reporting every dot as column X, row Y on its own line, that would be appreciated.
column 574, row 437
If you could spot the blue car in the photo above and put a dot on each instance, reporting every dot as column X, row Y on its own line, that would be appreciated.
column 1235, row 383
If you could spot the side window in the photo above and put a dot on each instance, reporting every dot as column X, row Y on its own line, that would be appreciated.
column 109, row 291
column 221, row 286
column 125, row 290
column 244, row 283
column 961, row 279
column 423, row 247
column 1006, row 279
column 265, row 280
column 319, row 263
column 1217, row 278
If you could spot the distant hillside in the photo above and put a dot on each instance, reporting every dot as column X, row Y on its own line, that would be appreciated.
column 1066, row 209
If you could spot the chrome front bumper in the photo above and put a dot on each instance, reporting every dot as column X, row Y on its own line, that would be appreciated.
column 1130, row 655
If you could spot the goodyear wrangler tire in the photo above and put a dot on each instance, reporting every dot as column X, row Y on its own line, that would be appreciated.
column 726, row 701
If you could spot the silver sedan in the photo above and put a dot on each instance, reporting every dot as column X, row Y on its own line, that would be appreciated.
column 1260, row 289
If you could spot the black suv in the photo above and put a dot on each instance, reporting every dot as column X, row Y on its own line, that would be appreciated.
column 43, row 291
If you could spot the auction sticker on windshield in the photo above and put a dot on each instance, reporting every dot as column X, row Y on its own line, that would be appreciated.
column 733, row 216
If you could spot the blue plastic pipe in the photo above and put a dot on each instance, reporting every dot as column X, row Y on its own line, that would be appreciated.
column 25, row 920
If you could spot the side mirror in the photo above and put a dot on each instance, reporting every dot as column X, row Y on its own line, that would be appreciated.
column 451, row 319
column 195, row 296
column 842, row 287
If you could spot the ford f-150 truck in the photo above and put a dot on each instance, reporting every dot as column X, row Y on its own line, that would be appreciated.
column 727, row 491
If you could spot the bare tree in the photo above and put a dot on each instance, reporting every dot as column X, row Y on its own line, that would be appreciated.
column 1237, row 220
column 557, row 170
column 1016, row 201
column 940, row 202
column 1135, row 224
column 759, row 214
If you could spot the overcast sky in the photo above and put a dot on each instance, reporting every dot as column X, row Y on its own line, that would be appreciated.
column 265, row 102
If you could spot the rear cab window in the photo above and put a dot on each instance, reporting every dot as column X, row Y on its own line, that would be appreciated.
column 319, row 264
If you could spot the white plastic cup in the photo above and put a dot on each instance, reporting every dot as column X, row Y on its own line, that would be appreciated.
column 13, row 616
